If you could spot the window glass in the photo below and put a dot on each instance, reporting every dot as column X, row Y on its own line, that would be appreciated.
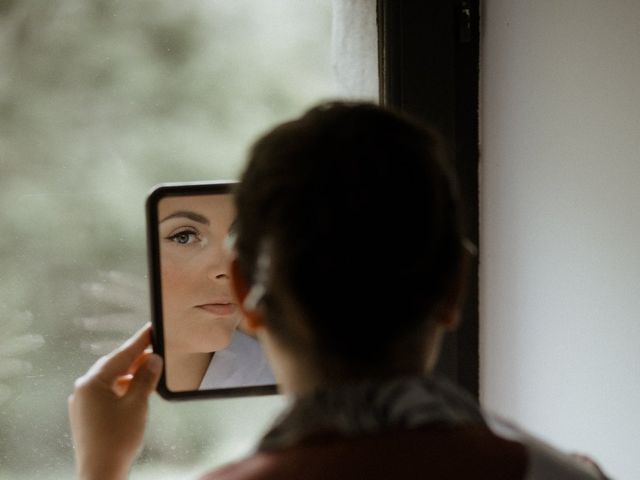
column 99, row 101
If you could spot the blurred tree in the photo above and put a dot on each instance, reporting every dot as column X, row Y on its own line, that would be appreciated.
column 100, row 100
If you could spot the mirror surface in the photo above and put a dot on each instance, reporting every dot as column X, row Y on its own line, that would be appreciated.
column 204, row 339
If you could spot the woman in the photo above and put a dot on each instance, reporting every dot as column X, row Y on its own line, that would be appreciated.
column 203, row 346
column 350, row 268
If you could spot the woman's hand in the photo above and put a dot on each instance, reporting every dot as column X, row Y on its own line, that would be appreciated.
column 108, row 409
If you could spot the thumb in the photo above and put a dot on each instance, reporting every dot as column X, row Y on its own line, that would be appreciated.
column 145, row 378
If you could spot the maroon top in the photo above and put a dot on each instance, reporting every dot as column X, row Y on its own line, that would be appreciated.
column 445, row 453
column 403, row 428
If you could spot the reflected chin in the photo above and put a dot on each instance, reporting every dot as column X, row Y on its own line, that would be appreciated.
column 200, row 331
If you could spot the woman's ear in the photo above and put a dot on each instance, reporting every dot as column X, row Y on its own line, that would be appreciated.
column 254, row 318
column 449, row 313
column 449, row 317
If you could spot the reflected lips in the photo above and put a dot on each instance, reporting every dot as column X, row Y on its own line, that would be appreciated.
column 219, row 308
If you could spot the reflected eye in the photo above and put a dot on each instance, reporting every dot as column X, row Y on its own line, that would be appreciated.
column 184, row 237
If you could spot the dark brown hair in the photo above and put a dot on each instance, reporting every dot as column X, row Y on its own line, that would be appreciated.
column 361, row 214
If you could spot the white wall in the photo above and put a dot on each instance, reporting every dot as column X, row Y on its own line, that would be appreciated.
column 355, row 58
column 560, row 223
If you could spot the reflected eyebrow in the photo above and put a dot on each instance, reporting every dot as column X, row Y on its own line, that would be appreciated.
column 196, row 217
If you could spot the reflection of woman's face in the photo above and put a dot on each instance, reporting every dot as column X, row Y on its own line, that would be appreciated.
column 199, row 312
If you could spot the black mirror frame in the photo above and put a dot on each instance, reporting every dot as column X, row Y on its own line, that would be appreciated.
column 155, row 288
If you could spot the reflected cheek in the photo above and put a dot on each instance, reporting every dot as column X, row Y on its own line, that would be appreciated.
column 176, row 288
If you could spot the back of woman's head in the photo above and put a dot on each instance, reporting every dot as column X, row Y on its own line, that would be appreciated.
column 358, row 212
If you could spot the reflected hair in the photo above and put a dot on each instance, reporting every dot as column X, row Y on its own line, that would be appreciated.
column 361, row 213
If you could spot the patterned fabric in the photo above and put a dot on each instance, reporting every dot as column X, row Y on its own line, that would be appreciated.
column 372, row 407
column 404, row 404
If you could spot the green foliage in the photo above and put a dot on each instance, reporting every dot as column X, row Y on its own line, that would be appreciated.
column 99, row 101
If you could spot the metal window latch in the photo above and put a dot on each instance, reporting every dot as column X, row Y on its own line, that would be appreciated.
column 464, row 22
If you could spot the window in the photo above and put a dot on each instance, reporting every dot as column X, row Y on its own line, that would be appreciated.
column 99, row 101
column 429, row 68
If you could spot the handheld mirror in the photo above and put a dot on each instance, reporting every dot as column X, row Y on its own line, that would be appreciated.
column 198, row 328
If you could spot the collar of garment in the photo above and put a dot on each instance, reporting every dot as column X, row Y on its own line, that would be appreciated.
column 241, row 364
column 372, row 407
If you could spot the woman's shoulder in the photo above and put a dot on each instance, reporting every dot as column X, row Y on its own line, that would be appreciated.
column 255, row 467
column 453, row 452
column 459, row 452
column 545, row 461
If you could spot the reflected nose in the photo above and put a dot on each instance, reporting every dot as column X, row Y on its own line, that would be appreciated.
column 219, row 266
column 218, row 271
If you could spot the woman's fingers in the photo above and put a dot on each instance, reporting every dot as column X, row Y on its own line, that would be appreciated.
column 145, row 379
column 119, row 362
column 146, row 363
column 108, row 408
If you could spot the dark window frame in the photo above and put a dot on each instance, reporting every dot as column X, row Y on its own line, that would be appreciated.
column 428, row 66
